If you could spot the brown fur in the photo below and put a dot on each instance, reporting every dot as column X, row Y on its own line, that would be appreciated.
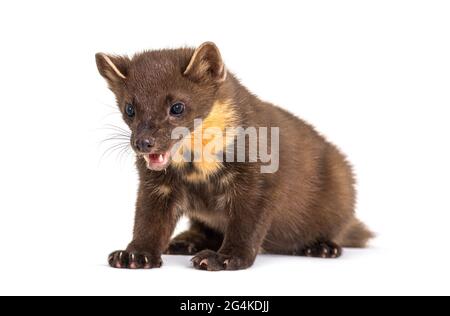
column 306, row 208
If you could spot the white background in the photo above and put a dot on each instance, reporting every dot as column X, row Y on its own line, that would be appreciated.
column 374, row 76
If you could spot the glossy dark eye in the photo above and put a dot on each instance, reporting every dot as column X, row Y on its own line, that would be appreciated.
column 177, row 109
column 129, row 110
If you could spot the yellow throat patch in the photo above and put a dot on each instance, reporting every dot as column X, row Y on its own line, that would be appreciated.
column 208, row 142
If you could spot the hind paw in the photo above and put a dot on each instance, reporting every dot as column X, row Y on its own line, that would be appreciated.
column 327, row 250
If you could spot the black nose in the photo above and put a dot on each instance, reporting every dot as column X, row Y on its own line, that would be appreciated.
column 145, row 144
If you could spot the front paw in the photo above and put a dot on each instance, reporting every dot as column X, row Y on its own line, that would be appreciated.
column 133, row 260
column 213, row 261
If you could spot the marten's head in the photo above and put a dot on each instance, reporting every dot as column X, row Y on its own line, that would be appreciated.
column 158, row 91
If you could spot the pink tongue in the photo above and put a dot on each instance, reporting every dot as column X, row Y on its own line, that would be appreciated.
column 156, row 158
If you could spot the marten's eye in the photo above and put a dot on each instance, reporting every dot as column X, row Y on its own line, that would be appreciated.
column 177, row 109
column 129, row 110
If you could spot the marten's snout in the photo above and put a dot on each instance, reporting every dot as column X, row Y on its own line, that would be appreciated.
column 145, row 144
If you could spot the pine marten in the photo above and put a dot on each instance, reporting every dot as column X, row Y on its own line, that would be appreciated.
column 303, row 204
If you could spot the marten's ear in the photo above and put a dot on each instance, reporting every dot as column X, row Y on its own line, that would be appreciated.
column 113, row 68
column 206, row 64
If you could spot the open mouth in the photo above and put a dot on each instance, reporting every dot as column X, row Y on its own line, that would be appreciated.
column 157, row 162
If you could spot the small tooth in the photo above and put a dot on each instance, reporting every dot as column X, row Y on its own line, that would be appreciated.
column 161, row 158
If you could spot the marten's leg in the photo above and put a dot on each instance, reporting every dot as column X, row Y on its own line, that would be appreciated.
column 354, row 235
column 321, row 249
column 199, row 237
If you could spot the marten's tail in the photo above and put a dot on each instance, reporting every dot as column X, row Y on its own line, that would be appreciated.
column 355, row 235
